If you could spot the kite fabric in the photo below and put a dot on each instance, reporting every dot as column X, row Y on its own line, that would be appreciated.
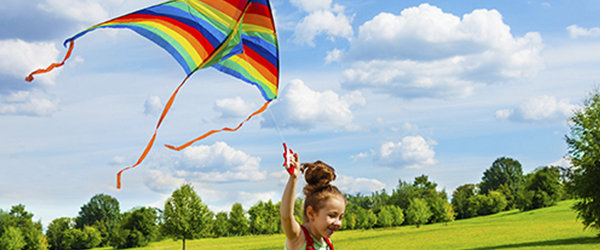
column 236, row 37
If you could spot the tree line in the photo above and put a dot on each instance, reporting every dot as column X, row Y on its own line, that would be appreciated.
column 184, row 216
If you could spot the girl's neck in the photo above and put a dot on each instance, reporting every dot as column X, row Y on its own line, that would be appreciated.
column 313, row 233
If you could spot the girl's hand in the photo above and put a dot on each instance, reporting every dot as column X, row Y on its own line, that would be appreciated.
column 295, row 165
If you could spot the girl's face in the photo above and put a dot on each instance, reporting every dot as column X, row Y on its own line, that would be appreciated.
column 329, row 218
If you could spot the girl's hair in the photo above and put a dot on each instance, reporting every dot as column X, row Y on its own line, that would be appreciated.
column 318, row 175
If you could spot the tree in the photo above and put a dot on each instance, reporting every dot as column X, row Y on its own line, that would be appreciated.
column 542, row 188
column 418, row 212
column 397, row 215
column 460, row 200
column 221, row 224
column 185, row 216
column 76, row 239
column 362, row 218
column 384, row 218
column 349, row 220
column 12, row 239
column 56, row 230
column 264, row 218
column 503, row 171
column 584, row 149
column 237, row 220
column 137, row 228
column 102, row 209
column 23, row 226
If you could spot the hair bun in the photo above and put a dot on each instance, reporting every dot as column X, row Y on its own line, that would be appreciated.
column 318, row 175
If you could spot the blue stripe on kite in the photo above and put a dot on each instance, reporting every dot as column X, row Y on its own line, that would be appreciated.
column 213, row 35
column 163, row 44
column 263, row 51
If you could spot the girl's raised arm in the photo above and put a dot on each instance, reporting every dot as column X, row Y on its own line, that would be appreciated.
column 291, row 228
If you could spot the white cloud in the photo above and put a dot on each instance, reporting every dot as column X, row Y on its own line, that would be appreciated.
column 333, row 56
column 543, row 109
column 576, row 31
column 21, row 103
column 323, row 22
column 19, row 58
column 565, row 162
column 88, row 11
column 424, row 52
column 411, row 152
column 312, row 5
column 153, row 106
column 205, row 164
column 218, row 163
column 351, row 185
column 161, row 182
column 118, row 161
column 303, row 108
column 233, row 108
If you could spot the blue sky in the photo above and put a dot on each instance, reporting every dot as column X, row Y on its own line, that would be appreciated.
column 381, row 90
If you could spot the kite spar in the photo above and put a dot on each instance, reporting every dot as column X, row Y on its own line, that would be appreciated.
column 237, row 37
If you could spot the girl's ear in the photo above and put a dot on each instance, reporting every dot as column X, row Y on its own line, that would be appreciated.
column 310, row 213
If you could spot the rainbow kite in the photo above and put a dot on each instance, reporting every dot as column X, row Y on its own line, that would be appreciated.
column 237, row 37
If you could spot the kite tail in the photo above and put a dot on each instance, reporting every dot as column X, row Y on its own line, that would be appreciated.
column 262, row 109
column 29, row 78
column 151, row 143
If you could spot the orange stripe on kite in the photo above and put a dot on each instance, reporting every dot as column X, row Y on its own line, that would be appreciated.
column 209, row 133
column 29, row 78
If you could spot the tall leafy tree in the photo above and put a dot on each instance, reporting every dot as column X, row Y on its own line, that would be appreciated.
column 584, row 148
column 24, row 229
column 238, row 222
column 460, row 200
column 503, row 171
column 56, row 230
column 103, row 212
column 138, row 228
column 12, row 239
column 185, row 216
column 221, row 224
column 418, row 212
column 542, row 188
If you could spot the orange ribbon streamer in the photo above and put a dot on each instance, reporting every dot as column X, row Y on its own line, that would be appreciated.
column 151, row 143
column 164, row 114
column 214, row 131
column 29, row 78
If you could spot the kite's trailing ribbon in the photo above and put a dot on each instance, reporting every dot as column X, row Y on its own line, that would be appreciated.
column 29, row 78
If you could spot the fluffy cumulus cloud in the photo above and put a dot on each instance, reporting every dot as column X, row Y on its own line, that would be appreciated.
column 424, row 52
column 411, row 152
column 230, row 108
column 576, row 31
column 19, row 58
column 215, row 163
column 323, row 18
column 544, row 109
column 303, row 108
column 21, row 103
column 351, row 185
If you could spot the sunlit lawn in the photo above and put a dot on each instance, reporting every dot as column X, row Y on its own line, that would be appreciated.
column 549, row 228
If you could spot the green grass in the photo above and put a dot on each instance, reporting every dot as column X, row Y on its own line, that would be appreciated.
column 549, row 228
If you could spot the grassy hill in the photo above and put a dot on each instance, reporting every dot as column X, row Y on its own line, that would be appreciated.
column 549, row 228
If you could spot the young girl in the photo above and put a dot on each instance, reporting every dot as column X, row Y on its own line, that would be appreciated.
column 324, row 208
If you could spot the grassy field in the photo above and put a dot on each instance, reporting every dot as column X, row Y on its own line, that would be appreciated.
column 549, row 228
